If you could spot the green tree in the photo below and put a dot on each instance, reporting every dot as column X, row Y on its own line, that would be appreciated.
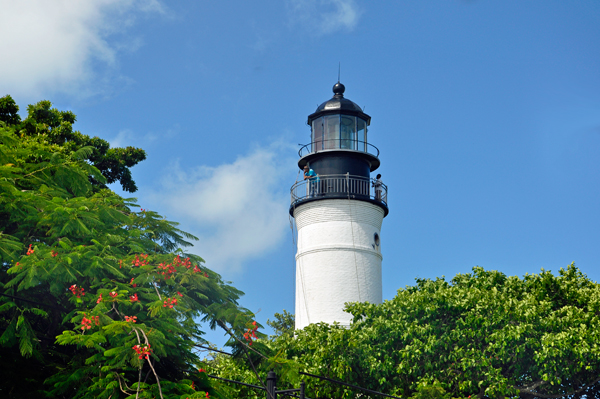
column 97, row 299
column 54, row 128
column 479, row 335
column 283, row 323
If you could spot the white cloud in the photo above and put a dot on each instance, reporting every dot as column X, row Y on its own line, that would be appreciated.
column 127, row 137
column 51, row 46
column 239, row 210
column 321, row 17
column 124, row 138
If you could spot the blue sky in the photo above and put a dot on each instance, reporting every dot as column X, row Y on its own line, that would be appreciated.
column 486, row 113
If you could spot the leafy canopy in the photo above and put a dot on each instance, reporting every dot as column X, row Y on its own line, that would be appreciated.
column 54, row 128
column 483, row 334
column 97, row 299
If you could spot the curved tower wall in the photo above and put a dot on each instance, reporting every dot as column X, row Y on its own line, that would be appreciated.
column 338, row 259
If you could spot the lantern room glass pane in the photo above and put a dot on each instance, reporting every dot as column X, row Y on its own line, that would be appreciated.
column 348, row 132
column 361, row 126
column 317, row 135
column 331, row 134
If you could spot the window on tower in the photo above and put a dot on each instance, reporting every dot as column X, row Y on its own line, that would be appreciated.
column 317, row 135
column 332, row 132
column 348, row 132
column 361, row 126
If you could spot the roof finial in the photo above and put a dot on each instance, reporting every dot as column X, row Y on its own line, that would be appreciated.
column 338, row 90
column 339, row 68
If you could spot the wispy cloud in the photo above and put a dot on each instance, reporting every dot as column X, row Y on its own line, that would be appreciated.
column 54, row 46
column 321, row 17
column 128, row 137
column 238, row 210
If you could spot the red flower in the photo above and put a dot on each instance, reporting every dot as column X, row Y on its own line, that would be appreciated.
column 79, row 292
column 131, row 282
column 30, row 250
column 143, row 351
column 131, row 319
column 169, row 269
column 113, row 294
column 251, row 333
column 170, row 302
column 53, row 253
column 140, row 262
column 99, row 299
column 201, row 371
column 85, row 323
column 179, row 293
column 134, row 298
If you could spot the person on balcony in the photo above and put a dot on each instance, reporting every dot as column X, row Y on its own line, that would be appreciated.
column 313, row 181
column 378, row 186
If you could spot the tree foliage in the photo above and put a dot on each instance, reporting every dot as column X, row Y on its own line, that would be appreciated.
column 482, row 334
column 97, row 299
column 283, row 323
column 54, row 128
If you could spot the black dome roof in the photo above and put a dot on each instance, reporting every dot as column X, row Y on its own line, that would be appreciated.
column 339, row 105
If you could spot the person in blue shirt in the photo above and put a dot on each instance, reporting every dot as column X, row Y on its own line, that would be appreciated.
column 313, row 179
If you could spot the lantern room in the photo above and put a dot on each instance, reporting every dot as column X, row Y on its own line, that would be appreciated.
column 339, row 142
column 338, row 124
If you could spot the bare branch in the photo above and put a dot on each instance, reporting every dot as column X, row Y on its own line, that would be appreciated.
column 120, row 386
column 116, row 311
column 157, row 381
column 137, row 393
column 156, row 288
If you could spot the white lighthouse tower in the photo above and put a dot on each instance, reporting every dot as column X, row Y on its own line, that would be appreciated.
column 338, row 215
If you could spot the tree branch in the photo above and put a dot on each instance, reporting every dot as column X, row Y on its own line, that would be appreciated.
column 151, row 366
column 528, row 390
column 137, row 394
column 121, row 387
column 223, row 326
column 156, row 288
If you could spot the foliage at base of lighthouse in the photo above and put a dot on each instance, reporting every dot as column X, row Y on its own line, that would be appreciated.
column 479, row 335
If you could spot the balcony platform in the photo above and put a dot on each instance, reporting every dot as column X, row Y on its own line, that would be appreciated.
column 338, row 187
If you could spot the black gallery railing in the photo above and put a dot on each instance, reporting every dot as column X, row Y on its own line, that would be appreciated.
column 339, row 186
column 338, row 144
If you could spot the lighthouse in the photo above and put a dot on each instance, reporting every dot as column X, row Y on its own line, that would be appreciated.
column 338, row 209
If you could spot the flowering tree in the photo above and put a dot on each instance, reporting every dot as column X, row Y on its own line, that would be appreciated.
column 97, row 300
